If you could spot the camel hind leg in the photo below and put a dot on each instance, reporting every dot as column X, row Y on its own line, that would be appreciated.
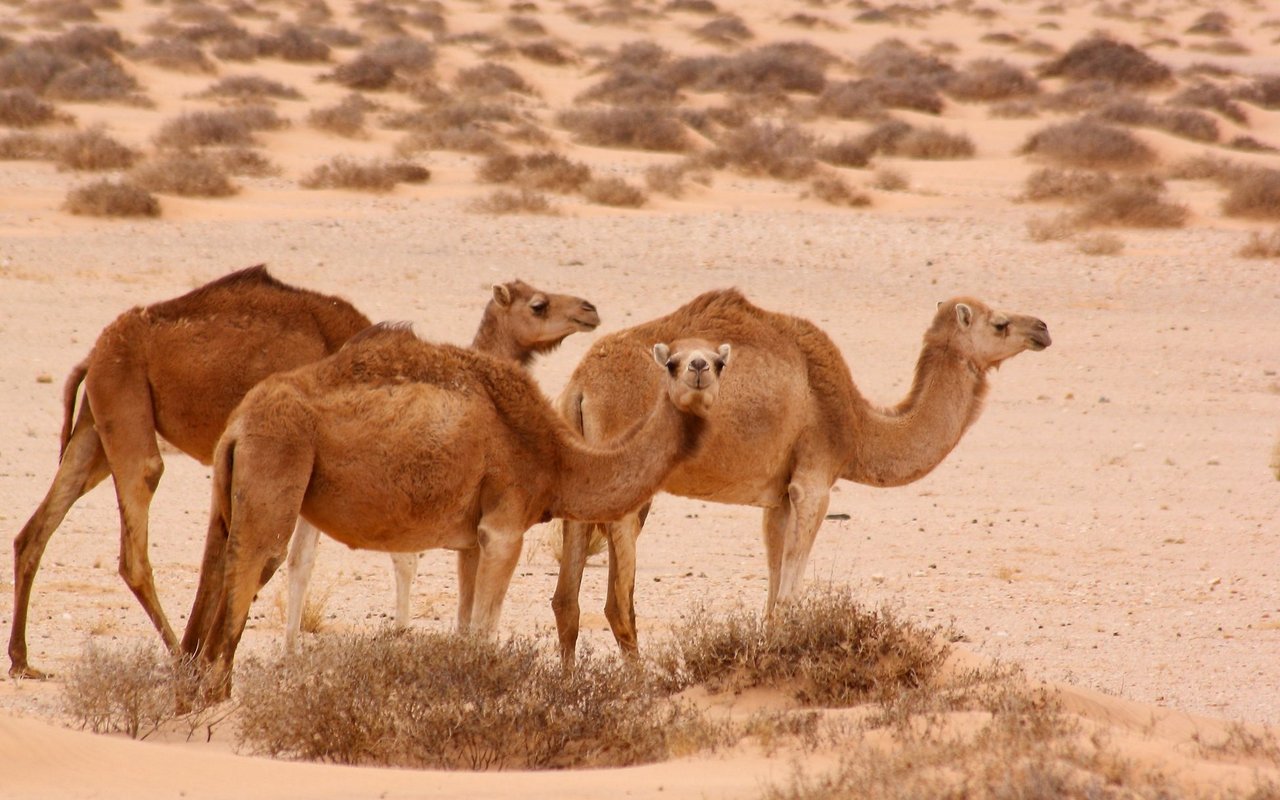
column 405, row 567
column 789, row 532
column 83, row 466
column 301, row 562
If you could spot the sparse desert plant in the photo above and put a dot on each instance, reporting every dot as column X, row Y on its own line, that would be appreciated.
column 26, row 146
column 492, row 79
column 293, row 43
column 781, row 67
column 1264, row 246
column 184, row 174
column 87, row 43
column 422, row 700
column 1248, row 144
column 232, row 127
column 93, row 149
column 242, row 161
column 850, row 151
column 128, row 691
column 726, row 30
column 1263, row 91
column 890, row 180
column 346, row 118
column 669, row 179
column 544, row 171
column 1100, row 244
column 545, row 52
column 614, row 192
column 95, row 82
column 377, row 175
column 885, row 136
column 639, row 127
column 107, row 198
column 627, row 85
column 521, row 201
column 1070, row 185
column 1184, row 122
column 836, row 191
column 1013, row 109
column 1211, row 96
column 990, row 79
column 251, row 88
column 21, row 108
column 1090, row 145
column 824, row 648
column 1211, row 23
column 525, row 26
column 179, row 55
column 869, row 97
column 893, row 58
column 1100, row 58
column 784, row 152
column 692, row 6
column 1253, row 192
column 933, row 143
column 1050, row 229
column 1132, row 204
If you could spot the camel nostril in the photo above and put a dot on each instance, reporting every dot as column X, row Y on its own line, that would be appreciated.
column 588, row 306
column 698, row 365
column 1040, row 326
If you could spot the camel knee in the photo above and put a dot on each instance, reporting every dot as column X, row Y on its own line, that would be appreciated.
column 152, row 469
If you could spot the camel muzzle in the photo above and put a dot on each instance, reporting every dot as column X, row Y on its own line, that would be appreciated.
column 1039, row 336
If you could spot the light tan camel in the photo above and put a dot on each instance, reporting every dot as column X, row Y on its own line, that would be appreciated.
column 396, row 444
column 519, row 323
column 789, row 423
column 177, row 369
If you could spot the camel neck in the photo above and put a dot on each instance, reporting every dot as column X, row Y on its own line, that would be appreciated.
column 495, row 339
column 605, row 484
column 898, row 445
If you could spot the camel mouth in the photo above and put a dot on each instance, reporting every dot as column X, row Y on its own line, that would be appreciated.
column 1039, row 341
column 586, row 324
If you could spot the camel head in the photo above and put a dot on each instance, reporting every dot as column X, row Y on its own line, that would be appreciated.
column 984, row 335
column 694, row 367
column 540, row 320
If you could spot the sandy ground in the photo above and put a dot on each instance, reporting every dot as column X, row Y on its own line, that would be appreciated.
column 1110, row 523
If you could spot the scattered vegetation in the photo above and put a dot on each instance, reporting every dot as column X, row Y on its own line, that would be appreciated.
column 1184, row 122
column 543, row 171
column 1100, row 244
column 345, row 118
column 1055, row 184
column 1050, row 229
column 232, row 127
column 1091, row 145
column 107, row 198
column 728, row 30
column 639, row 127
column 836, row 191
column 869, row 97
column 377, row 175
column 773, row 68
column 130, row 690
column 251, row 89
column 522, row 201
column 492, row 79
column 25, row 146
column 614, row 192
column 93, row 149
column 1264, row 246
column 933, row 143
column 784, row 152
column 1212, row 97
column 1100, row 58
column 1252, row 192
column 179, row 55
column 21, row 108
column 184, row 174
column 890, row 180
column 989, row 80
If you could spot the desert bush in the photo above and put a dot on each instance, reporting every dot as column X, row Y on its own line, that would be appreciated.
column 1050, row 229
column 232, row 127
column 1013, row 109
column 85, row 43
column 669, row 179
column 781, row 67
column 242, row 161
column 784, row 152
column 490, row 79
column 1132, row 204
column 545, row 52
column 131, row 690
column 1210, row 96
column 870, row 96
column 94, row 82
column 345, row 118
column 1083, row 96
column 934, row 143
column 251, row 88
column 1263, row 90
column 26, row 146
column 93, row 149
column 525, row 26
column 1211, row 23
column 1223, row 47
column 893, row 58
column 692, row 6
column 1252, row 192
column 823, row 647
column 422, row 700
column 847, row 152
column 545, row 171
column 725, row 30
column 377, row 175
column 107, row 198
column 174, row 54
column 1091, row 145
column 21, row 108
column 627, row 85
column 1099, row 58
column 890, row 180
column 184, row 174
column 638, row 127
column 32, row 67
column 1248, row 144
column 884, row 137
column 1056, row 184
column 991, row 79
column 836, row 191
column 522, row 201
column 466, row 126
column 295, row 44
column 614, row 192
column 1100, row 244
column 1187, row 123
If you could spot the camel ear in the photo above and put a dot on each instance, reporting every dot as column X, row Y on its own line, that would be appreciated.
column 964, row 315
column 501, row 294
column 661, row 354
column 724, row 353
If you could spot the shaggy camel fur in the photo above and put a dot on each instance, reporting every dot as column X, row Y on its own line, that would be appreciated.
column 177, row 369
column 399, row 445
column 789, row 423
column 519, row 322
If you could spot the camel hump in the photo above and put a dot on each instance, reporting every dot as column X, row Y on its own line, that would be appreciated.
column 397, row 328
column 256, row 274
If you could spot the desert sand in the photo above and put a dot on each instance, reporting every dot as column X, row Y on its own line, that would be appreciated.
column 1109, row 523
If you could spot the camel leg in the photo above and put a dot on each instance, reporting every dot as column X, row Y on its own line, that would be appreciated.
column 209, row 591
column 499, row 553
column 83, row 466
column 301, row 562
column 619, row 607
column 468, row 563
column 564, row 603
column 405, row 566
column 808, row 507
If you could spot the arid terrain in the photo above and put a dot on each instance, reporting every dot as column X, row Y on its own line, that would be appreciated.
column 1110, row 523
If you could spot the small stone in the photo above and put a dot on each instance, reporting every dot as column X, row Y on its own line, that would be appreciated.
column 877, row 578
column 44, row 377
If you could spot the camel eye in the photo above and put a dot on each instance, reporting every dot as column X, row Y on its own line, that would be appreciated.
column 539, row 307
column 1002, row 326
column 672, row 366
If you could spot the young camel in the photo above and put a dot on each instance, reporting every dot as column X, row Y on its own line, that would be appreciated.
column 399, row 445
column 177, row 369
column 519, row 322
column 789, row 424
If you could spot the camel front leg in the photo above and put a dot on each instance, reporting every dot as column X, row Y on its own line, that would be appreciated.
column 301, row 563
column 405, row 566
column 468, row 564
column 564, row 603
column 499, row 553
column 619, row 606
column 808, row 509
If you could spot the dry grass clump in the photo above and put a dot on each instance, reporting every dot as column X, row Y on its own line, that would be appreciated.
column 1264, row 246
column 783, row 152
column 1252, row 192
column 376, row 175
column 1187, row 123
column 184, row 174
column 378, row 66
column 1248, row 144
column 466, row 126
column 1131, row 204
column 692, row 6
column 545, row 171
column 869, row 97
column 614, row 192
column 1100, row 58
column 21, row 108
column 728, row 30
column 178, row 55
column 1263, row 90
column 129, row 691
column 232, row 127
column 242, row 161
column 893, row 58
column 1050, row 229
column 97, row 82
column 1090, row 145
column 107, row 198
column 76, row 66
column 991, row 79
column 890, row 180
column 1014, row 109
column 638, row 127
column 525, row 26
column 1070, row 185
column 345, row 118
column 293, row 43
column 850, row 151
column 1100, row 244
column 637, row 74
column 420, row 700
column 824, row 648
column 1212, row 97
column 522, row 201
column 836, row 191
column 774, row 68
column 25, row 146
column 669, row 179
column 933, row 143
column 1211, row 23
column 93, row 149
column 546, row 52
column 492, row 79
column 251, row 88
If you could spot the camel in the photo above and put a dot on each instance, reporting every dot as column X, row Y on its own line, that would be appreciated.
column 399, row 445
column 519, row 323
column 789, row 424
column 177, row 369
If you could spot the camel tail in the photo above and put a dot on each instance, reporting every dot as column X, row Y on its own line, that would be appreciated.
column 69, row 393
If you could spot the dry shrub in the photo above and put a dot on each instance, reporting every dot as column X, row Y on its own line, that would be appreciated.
column 780, row 67
column 545, row 171
column 1263, row 246
column 173, row 54
column 95, row 82
column 893, row 58
column 1050, row 229
column 545, row 52
column 294, row 44
column 890, row 180
column 1263, row 90
column 1248, row 144
column 93, row 149
column 525, row 26
column 1099, row 58
column 870, row 96
column 847, row 152
column 884, row 137
column 242, row 161
column 132, row 690
column 106, row 198
column 85, row 43
column 233, row 127
column 1056, row 184
column 1223, row 47
column 1211, row 23
column 692, row 6
column 628, row 85
column 465, row 126
column 1091, row 145
column 1133, row 204
column 669, row 179
column 345, row 118
column 20, row 108
column 614, row 192
column 1189, row 124
column 1252, row 192
column 1014, row 109
column 727, row 30
column 25, row 146
column 823, row 647
column 492, row 79
column 251, row 88
column 991, row 79
column 1213, row 97
column 784, row 152
column 523, row 201
column 836, row 191
column 638, row 127
column 185, row 174
column 1100, row 244
column 410, row 699
column 1205, row 167
column 1083, row 96
column 377, row 175
column 934, row 144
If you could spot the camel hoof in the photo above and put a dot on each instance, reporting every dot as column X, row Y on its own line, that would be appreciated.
column 29, row 673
